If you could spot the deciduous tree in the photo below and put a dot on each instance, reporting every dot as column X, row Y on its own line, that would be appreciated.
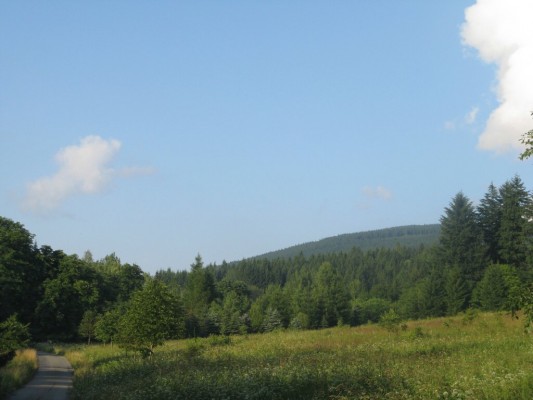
column 153, row 315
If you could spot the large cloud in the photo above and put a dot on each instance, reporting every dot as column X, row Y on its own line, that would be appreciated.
column 502, row 32
column 83, row 169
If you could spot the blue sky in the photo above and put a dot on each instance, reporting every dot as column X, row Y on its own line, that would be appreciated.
column 159, row 130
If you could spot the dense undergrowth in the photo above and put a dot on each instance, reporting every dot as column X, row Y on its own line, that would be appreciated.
column 485, row 356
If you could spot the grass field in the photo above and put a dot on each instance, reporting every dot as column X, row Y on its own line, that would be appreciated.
column 17, row 372
column 478, row 357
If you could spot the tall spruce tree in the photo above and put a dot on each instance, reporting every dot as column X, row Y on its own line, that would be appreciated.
column 198, row 295
column 514, row 233
column 461, row 239
column 489, row 213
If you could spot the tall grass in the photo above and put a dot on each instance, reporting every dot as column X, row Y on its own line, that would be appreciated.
column 17, row 372
column 481, row 357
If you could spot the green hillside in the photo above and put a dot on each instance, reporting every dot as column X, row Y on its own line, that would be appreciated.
column 409, row 236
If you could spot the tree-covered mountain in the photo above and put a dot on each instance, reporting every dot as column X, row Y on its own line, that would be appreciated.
column 405, row 236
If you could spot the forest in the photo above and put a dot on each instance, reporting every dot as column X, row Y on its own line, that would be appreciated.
column 483, row 260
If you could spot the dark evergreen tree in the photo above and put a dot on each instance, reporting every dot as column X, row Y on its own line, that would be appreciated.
column 514, row 234
column 461, row 252
column 457, row 291
column 331, row 298
column 198, row 294
column 500, row 289
column 489, row 212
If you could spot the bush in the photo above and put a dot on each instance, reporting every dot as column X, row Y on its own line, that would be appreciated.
column 13, row 336
column 390, row 321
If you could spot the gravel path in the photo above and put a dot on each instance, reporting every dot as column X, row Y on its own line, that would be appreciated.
column 52, row 381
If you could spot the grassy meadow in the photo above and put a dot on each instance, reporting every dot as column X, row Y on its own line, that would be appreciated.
column 482, row 356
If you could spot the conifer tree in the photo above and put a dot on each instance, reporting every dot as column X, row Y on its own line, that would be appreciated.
column 461, row 239
column 515, row 228
column 198, row 295
column 489, row 213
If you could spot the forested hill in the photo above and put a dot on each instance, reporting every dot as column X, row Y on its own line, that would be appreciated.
column 408, row 236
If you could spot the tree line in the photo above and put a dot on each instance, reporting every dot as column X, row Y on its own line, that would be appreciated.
column 484, row 259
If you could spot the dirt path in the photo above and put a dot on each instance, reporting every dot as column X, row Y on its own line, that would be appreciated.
column 52, row 381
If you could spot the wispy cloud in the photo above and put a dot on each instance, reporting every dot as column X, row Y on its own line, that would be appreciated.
column 83, row 169
column 378, row 192
column 471, row 117
column 460, row 123
column 502, row 33
column 449, row 125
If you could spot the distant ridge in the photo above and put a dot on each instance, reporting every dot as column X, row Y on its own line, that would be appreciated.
column 408, row 236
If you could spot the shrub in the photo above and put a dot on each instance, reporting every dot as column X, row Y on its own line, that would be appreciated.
column 390, row 321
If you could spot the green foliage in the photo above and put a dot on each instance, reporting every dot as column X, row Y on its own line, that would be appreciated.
column 106, row 327
column 515, row 230
column 13, row 336
column 390, row 321
column 152, row 316
column 66, row 297
column 489, row 215
column 272, row 320
column 21, row 271
column 457, row 291
column 300, row 321
column 87, row 328
column 527, row 140
column 461, row 238
column 499, row 289
column 199, row 293
column 330, row 297
column 370, row 310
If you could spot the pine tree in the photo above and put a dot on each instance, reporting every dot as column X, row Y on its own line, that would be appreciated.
column 489, row 212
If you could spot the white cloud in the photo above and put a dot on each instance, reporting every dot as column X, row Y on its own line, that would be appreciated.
column 471, row 117
column 449, row 125
column 378, row 192
column 502, row 32
column 83, row 169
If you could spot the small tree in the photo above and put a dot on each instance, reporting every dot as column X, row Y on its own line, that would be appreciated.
column 153, row 315
column 390, row 321
column 106, row 327
column 272, row 320
column 87, row 326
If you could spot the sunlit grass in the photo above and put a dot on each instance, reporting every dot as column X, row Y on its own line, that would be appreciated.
column 17, row 372
column 488, row 357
